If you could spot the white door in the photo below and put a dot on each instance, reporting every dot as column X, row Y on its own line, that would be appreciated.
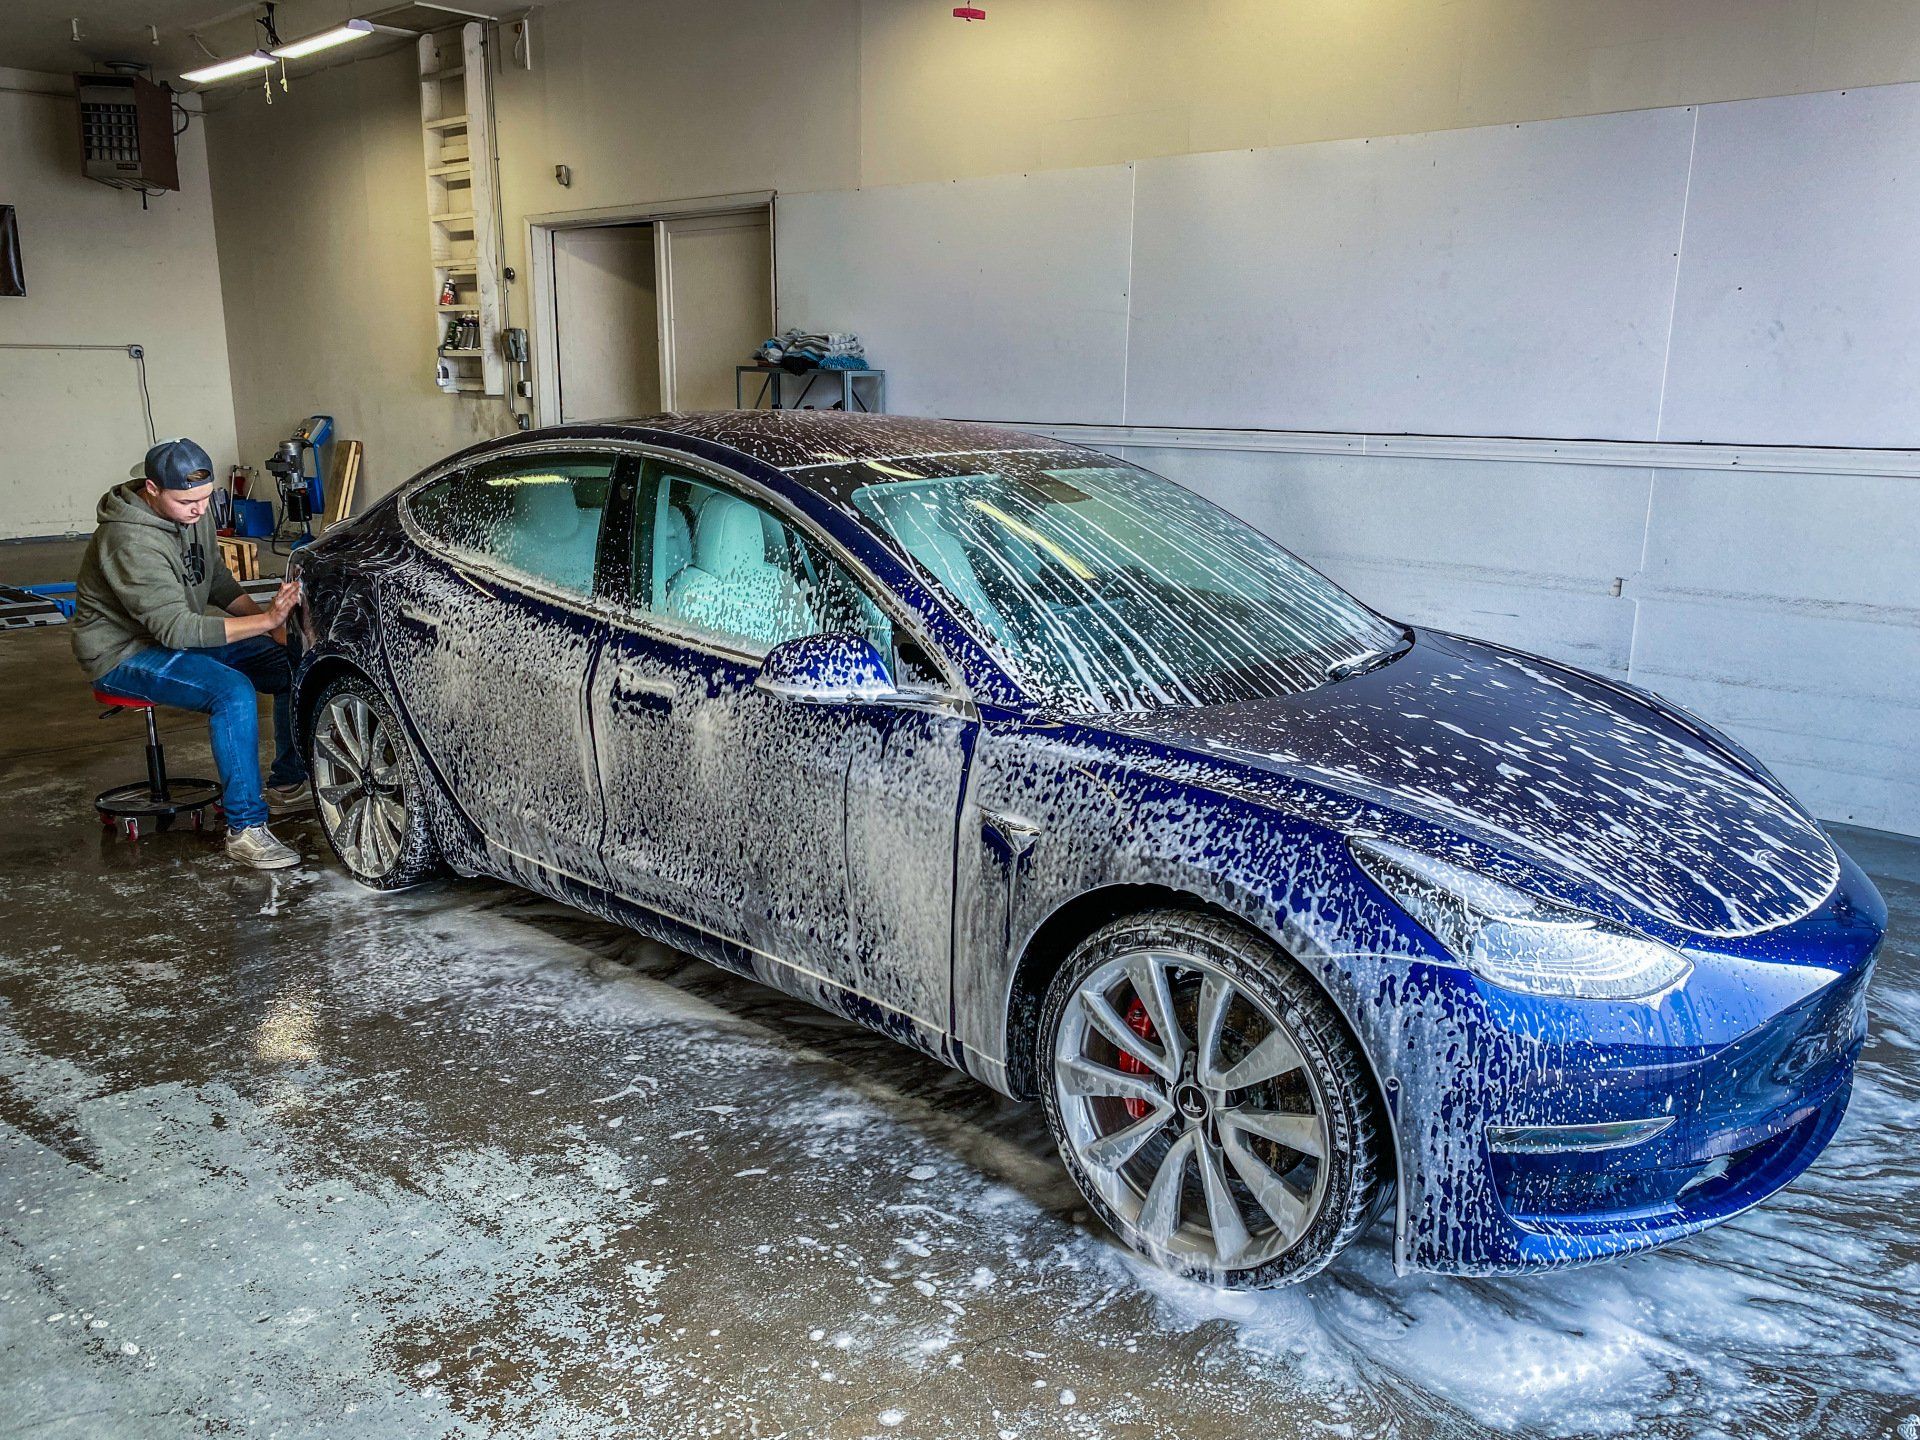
column 607, row 322
column 716, row 292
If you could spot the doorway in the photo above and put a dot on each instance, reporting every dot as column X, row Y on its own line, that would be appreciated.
column 648, row 310
column 607, row 322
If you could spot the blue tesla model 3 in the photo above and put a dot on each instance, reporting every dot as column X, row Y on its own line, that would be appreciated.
column 1290, row 915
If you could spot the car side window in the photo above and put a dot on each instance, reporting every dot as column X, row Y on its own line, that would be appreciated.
column 713, row 561
column 538, row 514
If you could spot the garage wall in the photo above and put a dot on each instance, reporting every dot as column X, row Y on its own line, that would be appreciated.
column 650, row 101
column 1307, row 334
column 100, row 270
column 1736, row 274
column 1047, row 84
column 1783, row 607
column 321, row 203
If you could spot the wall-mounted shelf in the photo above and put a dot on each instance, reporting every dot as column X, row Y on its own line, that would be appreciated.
column 462, row 217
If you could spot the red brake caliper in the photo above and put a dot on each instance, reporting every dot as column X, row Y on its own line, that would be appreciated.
column 1137, row 1022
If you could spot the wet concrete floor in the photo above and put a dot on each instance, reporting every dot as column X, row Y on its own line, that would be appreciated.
column 283, row 1157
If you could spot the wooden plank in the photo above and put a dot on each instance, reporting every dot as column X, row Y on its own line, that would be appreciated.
column 428, row 53
column 486, row 233
column 342, row 483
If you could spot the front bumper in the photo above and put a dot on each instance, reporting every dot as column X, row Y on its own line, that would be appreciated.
column 1509, row 1109
column 1746, row 1120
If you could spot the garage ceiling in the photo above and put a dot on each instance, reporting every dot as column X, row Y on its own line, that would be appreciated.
column 38, row 34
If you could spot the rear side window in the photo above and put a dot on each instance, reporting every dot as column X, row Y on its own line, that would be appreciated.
column 539, row 515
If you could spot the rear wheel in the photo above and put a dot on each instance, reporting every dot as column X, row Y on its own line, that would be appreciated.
column 367, row 788
column 1208, row 1101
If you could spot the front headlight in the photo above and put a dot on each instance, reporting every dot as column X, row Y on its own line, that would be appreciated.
column 1518, row 940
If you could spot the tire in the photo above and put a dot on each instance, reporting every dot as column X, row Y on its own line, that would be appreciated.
column 1172, row 1145
column 371, row 810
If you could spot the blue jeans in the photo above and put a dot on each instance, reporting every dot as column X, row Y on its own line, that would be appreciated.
column 221, row 682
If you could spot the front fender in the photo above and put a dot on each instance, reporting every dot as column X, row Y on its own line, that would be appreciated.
column 1053, row 824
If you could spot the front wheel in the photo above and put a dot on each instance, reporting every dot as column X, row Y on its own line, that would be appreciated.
column 367, row 788
column 1208, row 1100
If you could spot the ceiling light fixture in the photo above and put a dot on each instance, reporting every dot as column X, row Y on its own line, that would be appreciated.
column 324, row 40
column 227, row 69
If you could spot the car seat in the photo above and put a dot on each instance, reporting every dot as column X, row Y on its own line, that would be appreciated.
column 730, row 587
column 552, row 536
column 942, row 553
column 674, row 553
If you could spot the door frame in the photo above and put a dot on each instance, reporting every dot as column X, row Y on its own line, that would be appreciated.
column 544, row 334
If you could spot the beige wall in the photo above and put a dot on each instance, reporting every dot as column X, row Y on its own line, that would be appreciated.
column 100, row 271
column 1043, row 84
column 320, row 203
column 330, row 296
column 321, row 210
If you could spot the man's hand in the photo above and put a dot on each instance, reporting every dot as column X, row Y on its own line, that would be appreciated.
column 284, row 599
column 248, row 619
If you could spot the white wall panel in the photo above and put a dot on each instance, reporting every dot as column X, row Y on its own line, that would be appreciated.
column 1002, row 299
column 1783, row 608
column 1512, row 280
column 1525, row 554
column 1798, row 314
column 1827, row 702
column 1786, row 608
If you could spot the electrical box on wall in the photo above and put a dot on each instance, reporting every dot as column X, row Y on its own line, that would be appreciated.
column 126, row 132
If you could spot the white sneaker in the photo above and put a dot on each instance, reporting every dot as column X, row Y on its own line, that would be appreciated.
column 258, row 848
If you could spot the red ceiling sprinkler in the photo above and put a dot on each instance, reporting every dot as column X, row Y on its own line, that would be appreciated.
column 969, row 12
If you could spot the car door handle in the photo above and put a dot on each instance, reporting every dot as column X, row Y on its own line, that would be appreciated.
column 419, row 619
column 653, row 691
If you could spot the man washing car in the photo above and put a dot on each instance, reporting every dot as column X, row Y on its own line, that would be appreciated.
column 142, row 628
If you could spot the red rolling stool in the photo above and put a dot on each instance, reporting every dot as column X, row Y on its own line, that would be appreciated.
column 156, row 798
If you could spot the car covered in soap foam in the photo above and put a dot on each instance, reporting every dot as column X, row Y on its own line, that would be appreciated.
column 1291, row 916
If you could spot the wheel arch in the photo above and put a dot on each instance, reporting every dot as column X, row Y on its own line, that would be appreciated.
column 1054, row 939
column 314, row 677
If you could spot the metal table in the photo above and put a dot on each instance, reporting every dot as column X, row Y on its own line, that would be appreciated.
column 773, row 380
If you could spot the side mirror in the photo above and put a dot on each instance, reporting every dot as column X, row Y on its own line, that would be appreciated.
column 825, row 670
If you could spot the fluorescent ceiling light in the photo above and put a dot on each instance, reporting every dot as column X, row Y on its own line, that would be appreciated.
column 227, row 69
column 325, row 40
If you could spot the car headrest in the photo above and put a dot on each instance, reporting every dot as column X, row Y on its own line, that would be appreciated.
column 548, row 509
column 728, row 536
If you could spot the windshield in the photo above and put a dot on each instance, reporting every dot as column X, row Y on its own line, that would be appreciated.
column 1105, row 587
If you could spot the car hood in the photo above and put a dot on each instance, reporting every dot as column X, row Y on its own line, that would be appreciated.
column 1561, row 769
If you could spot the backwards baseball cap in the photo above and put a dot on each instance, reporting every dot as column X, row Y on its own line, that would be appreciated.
column 176, row 465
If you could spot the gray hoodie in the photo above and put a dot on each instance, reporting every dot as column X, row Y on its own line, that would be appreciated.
column 133, row 592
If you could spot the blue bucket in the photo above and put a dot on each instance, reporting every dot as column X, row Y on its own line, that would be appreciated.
column 253, row 518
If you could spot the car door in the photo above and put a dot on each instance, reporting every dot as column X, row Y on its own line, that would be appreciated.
column 491, row 636
column 820, row 835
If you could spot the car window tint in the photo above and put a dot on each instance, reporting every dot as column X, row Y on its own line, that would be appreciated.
column 539, row 515
column 717, row 563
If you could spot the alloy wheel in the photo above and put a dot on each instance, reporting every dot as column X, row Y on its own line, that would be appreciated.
column 1191, row 1110
column 357, row 784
